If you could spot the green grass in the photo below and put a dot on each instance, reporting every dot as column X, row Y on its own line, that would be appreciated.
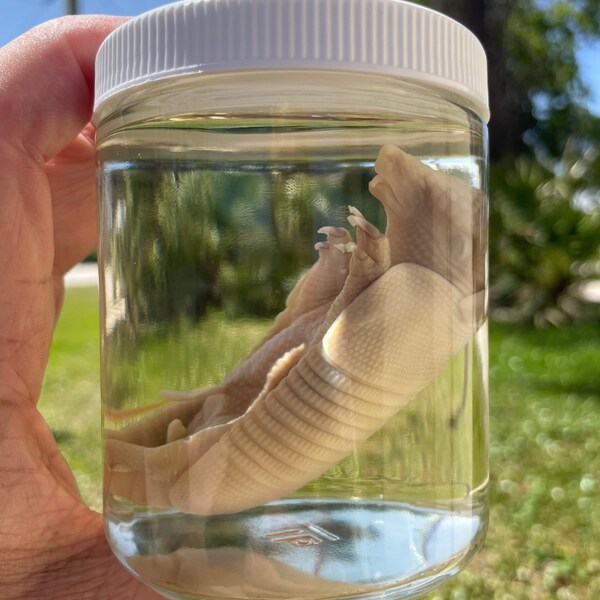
column 185, row 357
column 71, row 394
column 544, row 535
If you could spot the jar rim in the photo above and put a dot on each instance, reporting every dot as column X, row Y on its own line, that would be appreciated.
column 390, row 37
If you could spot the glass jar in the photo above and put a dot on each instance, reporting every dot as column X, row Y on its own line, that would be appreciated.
column 293, row 247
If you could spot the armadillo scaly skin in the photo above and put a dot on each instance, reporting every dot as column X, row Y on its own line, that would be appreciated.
column 322, row 410
column 376, row 338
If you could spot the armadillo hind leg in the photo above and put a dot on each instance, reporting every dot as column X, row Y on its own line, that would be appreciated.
column 146, row 474
column 152, row 430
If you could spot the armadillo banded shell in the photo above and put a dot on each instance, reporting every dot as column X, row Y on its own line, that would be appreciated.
column 334, row 398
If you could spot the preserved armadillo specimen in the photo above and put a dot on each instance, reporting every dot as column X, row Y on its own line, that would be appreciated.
column 371, row 324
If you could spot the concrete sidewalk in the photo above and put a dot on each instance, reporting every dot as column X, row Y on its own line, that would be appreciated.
column 82, row 275
column 86, row 275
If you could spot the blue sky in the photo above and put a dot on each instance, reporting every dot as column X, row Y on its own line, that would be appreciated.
column 17, row 16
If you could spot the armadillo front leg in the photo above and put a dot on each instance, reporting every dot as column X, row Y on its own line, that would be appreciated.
column 370, row 260
column 320, row 284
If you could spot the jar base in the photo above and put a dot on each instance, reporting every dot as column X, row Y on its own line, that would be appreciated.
column 309, row 549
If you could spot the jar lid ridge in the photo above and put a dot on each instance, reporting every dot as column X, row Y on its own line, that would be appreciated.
column 382, row 36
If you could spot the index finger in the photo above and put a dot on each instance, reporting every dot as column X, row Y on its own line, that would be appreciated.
column 47, row 82
column 46, row 95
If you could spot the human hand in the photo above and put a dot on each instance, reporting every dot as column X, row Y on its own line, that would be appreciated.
column 51, row 544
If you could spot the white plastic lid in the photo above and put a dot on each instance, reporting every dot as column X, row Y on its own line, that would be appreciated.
column 379, row 36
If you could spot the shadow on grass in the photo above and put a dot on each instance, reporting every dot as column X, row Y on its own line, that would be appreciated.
column 62, row 435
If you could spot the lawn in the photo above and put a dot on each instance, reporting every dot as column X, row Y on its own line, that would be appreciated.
column 544, row 536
